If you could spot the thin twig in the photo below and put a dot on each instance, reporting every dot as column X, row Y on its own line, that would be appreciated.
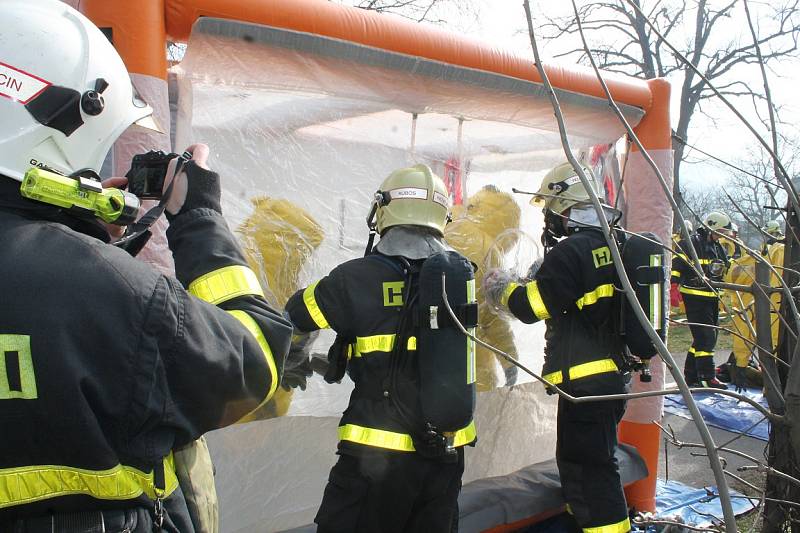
column 769, row 470
column 782, row 174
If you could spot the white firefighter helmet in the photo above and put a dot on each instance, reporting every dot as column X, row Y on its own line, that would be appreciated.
column 717, row 220
column 413, row 196
column 562, row 188
column 773, row 229
column 65, row 95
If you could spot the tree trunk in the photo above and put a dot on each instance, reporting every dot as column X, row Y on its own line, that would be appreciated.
column 678, row 148
column 783, row 453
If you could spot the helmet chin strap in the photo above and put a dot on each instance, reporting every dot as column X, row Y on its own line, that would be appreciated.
column 379, row 200
column 557, row 225
column 554, row 229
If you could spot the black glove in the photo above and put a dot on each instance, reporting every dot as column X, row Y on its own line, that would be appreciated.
column 511, row 373
column 337, row 359
column 300, row 348
column 738, row 377
column 297, row 376
column 202, row 190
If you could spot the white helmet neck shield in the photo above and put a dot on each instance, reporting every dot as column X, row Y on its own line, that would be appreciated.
column 65, row 95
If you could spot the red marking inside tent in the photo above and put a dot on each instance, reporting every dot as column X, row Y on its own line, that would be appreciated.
column 19, row 85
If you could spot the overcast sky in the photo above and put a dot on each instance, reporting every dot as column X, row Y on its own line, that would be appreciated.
column 502, row 23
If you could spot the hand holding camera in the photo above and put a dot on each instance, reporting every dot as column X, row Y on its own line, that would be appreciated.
column 184, row 179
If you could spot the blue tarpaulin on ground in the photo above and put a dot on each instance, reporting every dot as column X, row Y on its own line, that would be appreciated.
column 675, row 502
column 695, row 507
column 725, row 412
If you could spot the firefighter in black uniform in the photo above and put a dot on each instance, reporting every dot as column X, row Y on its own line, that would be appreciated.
column 394, row 473
column 702, row 303
column 106, row 365
column 573, row 292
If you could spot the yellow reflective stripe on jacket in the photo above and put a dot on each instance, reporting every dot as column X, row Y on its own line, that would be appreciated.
column 511, row 287
column 584, row 370
column 379, row 343
column 251, row 325
column 622, row 526
column 401, row 442
column 536, row 302
column 312, row 307
column 472, row 373
column 225, row 284
column 374, row 343
column 697, row 292
column 602, row 291
column 28, row 484
column 700, row 353
column 675, row 273
column 465, row 436
column 412, row 343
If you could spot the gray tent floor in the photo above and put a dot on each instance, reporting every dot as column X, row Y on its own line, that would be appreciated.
column 531, row 491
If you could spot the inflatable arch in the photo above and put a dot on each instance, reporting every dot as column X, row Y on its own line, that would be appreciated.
column 405, row 91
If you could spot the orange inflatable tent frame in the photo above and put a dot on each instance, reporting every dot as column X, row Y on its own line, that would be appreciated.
column 140, row 34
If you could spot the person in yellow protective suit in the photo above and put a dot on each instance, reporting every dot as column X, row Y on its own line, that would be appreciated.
column 742, row 272
column 472, row 233
column 278, row 238
column 734, row 252
column 730, row 245
column 774, row 233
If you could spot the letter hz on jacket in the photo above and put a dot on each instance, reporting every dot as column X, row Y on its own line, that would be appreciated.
column 393, row 293
column 19, row 85
column 17, row 379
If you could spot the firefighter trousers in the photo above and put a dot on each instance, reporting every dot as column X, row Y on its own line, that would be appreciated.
column 392, row 492
column 699, row 364
column 590, row 482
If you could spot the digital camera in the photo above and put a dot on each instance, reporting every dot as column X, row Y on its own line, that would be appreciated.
column 148, row 172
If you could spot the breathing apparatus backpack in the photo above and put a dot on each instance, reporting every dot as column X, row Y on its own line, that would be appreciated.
column 446, row 357
column 645, row 262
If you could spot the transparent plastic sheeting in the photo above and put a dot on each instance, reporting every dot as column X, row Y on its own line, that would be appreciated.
column 303, row 130
column 270, row 475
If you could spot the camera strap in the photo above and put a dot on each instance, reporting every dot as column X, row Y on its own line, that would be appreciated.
column 138, row 234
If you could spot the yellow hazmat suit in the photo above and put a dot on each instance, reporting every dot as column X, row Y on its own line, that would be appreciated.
column 278, row 238
column 742, row 272
column 473, row 232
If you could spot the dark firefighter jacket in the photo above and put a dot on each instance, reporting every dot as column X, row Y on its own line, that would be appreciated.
column 709, row 252
column 108, row 365
column 573, row 291
column 362, row 300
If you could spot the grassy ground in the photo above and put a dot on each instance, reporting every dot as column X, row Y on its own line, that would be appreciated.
column 680, row 338
column 752, row 521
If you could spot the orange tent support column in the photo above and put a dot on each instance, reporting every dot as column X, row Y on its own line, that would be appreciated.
column 648, row 211
column 138, row 32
